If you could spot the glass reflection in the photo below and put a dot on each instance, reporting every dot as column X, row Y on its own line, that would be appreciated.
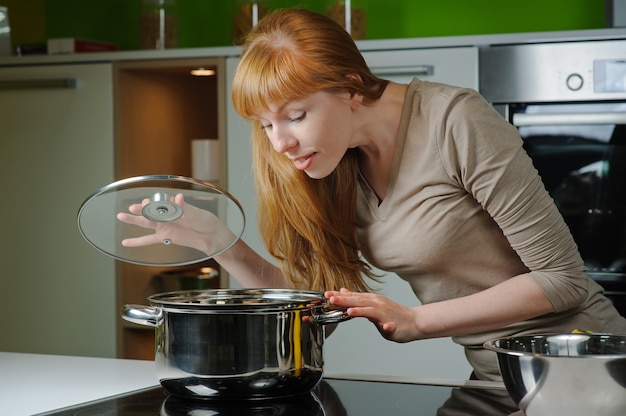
column 584, row 169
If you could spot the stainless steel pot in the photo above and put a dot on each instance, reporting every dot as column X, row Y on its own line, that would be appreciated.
column 237, row 343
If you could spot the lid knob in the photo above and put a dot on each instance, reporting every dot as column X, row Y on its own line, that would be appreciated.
column 161, row 209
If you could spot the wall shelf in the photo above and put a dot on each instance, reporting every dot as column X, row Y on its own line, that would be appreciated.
column 159, row 108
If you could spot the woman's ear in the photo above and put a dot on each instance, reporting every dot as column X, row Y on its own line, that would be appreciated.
column 355, row 77
column 356, row 97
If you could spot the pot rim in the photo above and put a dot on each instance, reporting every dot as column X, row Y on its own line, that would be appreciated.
column 493, row 345
column 238, row 300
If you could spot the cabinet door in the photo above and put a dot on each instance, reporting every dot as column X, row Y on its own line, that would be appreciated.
column 454, row 66
column 239, row 175
column 56, row 148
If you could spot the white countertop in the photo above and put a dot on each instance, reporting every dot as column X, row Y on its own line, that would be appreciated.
column 33, row 383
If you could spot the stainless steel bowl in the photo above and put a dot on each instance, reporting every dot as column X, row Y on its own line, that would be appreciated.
column 564, row 374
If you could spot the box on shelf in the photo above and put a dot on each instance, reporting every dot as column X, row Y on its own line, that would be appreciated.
column 76, row 45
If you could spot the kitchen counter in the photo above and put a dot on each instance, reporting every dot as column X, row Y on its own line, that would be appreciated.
column 33, row 383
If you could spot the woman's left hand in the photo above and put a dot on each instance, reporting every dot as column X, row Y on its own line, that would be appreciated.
column 395, row 322
column 196, row 228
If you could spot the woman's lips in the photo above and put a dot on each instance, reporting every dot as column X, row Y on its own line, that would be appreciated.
column 303, row 163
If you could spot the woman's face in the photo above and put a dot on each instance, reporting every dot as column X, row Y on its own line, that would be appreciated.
column 313, row 132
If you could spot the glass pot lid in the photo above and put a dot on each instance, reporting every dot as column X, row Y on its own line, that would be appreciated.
column 158, row 227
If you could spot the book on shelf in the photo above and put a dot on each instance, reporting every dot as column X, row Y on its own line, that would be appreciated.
column 35, row 48
column 77, row 45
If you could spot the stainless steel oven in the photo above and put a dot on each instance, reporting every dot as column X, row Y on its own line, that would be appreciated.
column 568, row 101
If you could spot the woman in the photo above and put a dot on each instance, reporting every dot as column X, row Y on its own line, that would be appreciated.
column 424, row 180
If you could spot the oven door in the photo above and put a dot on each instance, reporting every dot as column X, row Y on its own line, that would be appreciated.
column 580, row 152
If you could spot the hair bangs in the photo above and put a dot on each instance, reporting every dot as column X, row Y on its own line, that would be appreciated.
column 270, row 76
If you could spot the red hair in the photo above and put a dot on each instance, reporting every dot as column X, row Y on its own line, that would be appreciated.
column 307, row 224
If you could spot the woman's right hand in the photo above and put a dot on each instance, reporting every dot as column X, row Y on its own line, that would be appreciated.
column 395, row 322
column 196, row 228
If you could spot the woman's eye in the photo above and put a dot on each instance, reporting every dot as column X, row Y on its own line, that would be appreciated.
column 298, row 117
column 266, row 126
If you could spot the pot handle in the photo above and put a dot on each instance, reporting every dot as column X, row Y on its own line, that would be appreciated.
column 142, row 315
column 330, row 314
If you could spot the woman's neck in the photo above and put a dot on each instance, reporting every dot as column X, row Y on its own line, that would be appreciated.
column 379, row 130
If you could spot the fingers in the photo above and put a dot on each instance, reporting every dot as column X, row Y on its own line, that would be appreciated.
column 138, row 220
column 135, row 217
column 141, row 241
column 136, row 208
column 373, row 307
column 347, row 298
column 389, row 327
column 367, row 305
column 329, row 293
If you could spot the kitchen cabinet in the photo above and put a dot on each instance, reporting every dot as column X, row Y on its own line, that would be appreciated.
column 239, row 169
column 159, row 108
column 68, row 130
column 56, row 147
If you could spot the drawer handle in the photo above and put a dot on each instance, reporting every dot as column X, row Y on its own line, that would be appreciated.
column 32, row 84
column 417, row 70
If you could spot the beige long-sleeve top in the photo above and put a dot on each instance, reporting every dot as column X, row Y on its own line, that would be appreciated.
column 466, row 210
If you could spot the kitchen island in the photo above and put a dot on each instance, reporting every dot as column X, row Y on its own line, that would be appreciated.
column 32, row 384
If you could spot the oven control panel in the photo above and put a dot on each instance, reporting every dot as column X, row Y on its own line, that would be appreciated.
column 554, row 72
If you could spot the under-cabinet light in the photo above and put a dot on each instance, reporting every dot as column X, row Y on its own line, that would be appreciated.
column 202, row 72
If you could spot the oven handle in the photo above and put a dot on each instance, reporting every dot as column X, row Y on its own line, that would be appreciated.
column 523, row 119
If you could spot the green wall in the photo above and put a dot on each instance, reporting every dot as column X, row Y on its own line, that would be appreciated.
column 208, row 22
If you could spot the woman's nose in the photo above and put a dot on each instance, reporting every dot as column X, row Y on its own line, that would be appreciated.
column 282, row 141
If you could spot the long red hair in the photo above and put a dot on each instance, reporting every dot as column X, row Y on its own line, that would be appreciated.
column 307, row 224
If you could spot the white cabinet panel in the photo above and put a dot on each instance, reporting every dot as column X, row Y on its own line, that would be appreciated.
column 56, row 147
column 454, row 66
column 239, row 162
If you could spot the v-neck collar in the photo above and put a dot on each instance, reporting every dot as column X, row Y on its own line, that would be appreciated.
column 380, row 208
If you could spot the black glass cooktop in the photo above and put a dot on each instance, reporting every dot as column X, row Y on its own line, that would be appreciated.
column 332, row 397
